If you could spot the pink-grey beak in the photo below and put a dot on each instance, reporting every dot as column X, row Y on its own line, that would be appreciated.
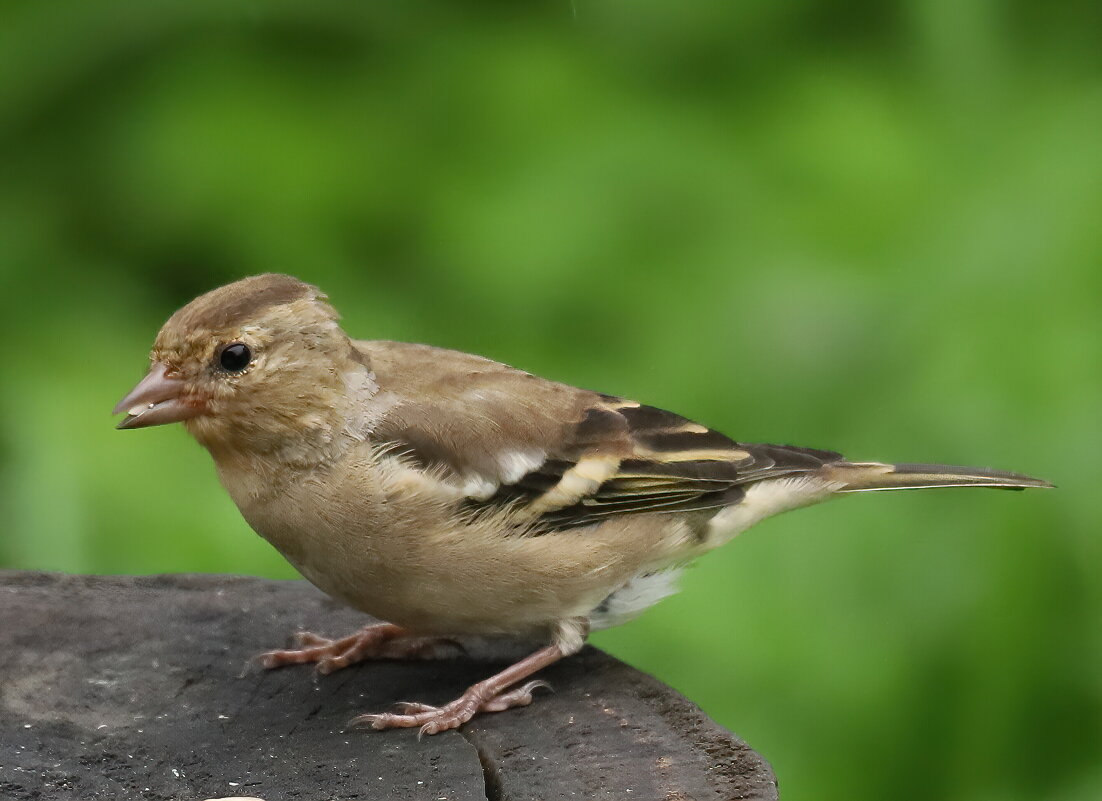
column 156, row 400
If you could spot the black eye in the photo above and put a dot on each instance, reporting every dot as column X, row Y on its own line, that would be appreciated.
column 235, row 358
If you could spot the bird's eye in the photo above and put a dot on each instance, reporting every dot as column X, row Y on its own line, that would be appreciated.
column 235, row 357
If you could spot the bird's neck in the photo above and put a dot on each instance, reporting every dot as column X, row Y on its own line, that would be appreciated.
column 297, row 433
column 313, row 439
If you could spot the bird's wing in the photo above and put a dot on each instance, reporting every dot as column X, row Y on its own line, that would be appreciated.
column 568, row 457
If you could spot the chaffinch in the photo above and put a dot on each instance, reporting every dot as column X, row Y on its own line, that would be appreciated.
column 452, row 495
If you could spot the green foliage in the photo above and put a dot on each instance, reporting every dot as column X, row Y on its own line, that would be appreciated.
column 870, row 227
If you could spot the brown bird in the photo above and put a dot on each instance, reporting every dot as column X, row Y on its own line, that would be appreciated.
column 452, row 495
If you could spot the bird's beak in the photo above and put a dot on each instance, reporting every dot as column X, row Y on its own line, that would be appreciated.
column 156, row 400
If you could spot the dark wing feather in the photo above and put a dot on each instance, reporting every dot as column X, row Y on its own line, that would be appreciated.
column 599, row 456
column 664, row 463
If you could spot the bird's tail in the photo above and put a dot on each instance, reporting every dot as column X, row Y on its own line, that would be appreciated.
column 868, row 476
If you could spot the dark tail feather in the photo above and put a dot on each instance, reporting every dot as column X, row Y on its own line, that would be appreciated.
column 868, row 476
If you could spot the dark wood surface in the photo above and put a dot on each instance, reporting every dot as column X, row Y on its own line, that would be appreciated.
column 136, row 688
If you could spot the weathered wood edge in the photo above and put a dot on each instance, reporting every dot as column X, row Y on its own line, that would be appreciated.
column 131, row 687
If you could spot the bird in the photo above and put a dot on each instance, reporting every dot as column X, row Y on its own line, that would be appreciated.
column 450, row 495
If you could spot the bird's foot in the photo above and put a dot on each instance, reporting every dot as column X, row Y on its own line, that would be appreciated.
column 495, row 694
column 378, row 641
column 434, row 719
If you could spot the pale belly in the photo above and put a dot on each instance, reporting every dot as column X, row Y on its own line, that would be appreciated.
column 425, row 571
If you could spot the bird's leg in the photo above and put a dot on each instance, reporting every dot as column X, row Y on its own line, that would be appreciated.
column 377, row 641
column 492, row 695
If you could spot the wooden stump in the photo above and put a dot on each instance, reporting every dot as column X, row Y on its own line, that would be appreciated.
column 133, row 688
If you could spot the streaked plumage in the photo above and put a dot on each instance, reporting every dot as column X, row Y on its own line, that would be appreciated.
column 450, row 494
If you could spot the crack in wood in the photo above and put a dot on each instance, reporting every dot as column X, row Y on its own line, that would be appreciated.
column 491, row 773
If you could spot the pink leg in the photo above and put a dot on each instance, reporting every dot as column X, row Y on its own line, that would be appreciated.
column 377, row 641
column 491, row 695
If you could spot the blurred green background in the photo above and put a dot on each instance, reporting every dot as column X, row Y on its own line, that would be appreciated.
column 873, row 227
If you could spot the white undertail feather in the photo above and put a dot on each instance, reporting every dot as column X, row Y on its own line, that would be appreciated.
column 634, row 598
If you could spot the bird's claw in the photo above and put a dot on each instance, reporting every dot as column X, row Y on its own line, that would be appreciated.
column 433, row 720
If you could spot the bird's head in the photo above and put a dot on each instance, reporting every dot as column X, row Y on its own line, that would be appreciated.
column 258, row 365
